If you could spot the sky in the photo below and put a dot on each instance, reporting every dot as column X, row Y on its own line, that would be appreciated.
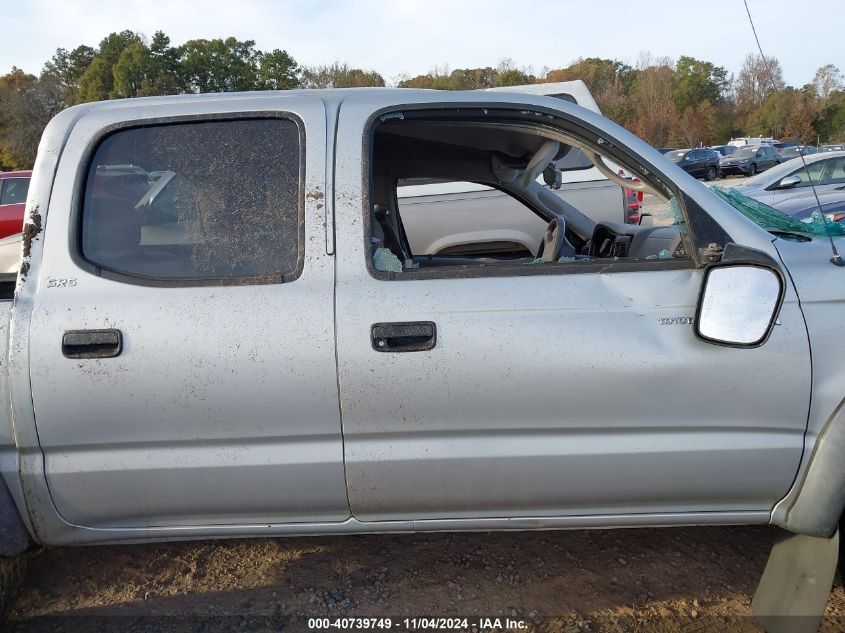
column 411, row 37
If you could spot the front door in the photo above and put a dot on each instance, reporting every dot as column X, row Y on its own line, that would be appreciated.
column 523, row 388
column 183, row 345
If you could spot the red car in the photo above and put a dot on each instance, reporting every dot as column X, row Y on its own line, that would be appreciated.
column 13, row 188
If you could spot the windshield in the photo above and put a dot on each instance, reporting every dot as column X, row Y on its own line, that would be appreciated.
column 744, row 152
column 789, row 152
column 676, row 156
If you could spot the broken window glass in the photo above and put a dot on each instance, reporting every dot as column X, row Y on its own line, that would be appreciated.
column 776, row 221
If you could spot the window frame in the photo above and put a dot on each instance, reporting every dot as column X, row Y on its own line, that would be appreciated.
column 709, row 231
column 80, row 187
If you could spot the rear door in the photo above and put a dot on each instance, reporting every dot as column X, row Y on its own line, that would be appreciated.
column 182, row 346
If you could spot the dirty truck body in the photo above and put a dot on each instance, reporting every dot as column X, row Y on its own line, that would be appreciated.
column 239, row 375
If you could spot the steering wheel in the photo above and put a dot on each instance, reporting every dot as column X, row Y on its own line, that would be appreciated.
column 554, row 244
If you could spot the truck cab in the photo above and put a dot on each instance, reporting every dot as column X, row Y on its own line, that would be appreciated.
column 223, row 325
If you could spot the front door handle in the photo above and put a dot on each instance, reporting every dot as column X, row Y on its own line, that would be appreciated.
column 413, row 336
column 92, row 343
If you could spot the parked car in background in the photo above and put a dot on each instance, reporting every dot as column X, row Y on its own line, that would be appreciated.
column 805, row 205
column 666, row 150
column 744, row 141
column 790, row 179
column 701, row 162
column 724, row 150
column 793, row 151
column 749, row 160
column 836, row 147
column 784, row 144
column 10, row 253
column 14, row 186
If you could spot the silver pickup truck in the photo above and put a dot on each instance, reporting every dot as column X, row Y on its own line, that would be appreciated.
column 219, row 328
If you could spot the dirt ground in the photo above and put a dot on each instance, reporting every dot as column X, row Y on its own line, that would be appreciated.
column 679, row 579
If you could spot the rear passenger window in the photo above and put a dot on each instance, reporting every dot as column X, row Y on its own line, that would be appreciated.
column 206, row 202
column 14, row 190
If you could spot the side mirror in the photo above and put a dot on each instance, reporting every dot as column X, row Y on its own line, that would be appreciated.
column 738, row 304
column 789, row 181
column 646, row 219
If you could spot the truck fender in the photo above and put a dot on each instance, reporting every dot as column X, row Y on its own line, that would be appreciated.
column 815, row 506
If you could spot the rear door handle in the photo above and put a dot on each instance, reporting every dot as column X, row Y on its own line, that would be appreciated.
column 92, row 343
column 413, row 336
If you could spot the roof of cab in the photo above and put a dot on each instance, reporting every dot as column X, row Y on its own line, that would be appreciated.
column 334, row 96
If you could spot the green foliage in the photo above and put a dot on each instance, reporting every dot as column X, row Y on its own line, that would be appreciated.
column 830, row 125
column 132, row 70
column 220, row 65
column 277, row 71
column 26, row 106
column 601, row 75
column 697, row 82
column 66, row 68
column 512, row 77
column 458, row 79
column 338, row 75
column 97, row 81
column 667, row 103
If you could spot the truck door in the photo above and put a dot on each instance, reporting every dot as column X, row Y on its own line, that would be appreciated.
column 496, row 385
column 182, row 340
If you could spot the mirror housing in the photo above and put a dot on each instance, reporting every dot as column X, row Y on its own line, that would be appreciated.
column 740, row 300
column 787, row 182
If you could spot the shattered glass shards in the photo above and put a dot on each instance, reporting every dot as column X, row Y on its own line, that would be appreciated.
column 776, row 221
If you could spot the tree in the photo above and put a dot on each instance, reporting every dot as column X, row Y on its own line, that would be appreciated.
column 65, row 69
column 608, row 80
column 789, row 113
column 164, row 71
column 697, row 82
column 338, row 75
column 697, row 125
column 830, row 125
column 97, row 82
column 26, row 106
column 827, row 80
column 132, row 70
column 278, row 71
column 754, row 83
column 220, row 65
column 600, row 75
column 476, row 78
column 654, row 114
column 512, row 77
column 507, row 74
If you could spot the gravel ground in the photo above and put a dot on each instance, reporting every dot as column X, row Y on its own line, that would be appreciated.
column 680, row 579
